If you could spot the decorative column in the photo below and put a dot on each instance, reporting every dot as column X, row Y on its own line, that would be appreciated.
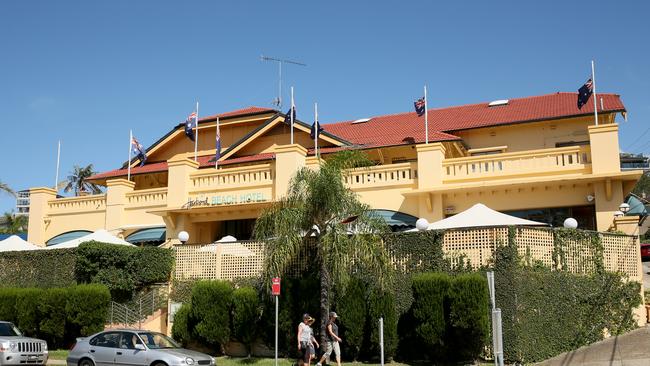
column 288, row 160
column 116, row 201
column 605, row 160
column 38, row 214
column 179, row 187
column 430, row 159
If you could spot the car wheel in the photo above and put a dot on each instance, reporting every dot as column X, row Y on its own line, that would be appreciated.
column 86, row 362
column 159, row 364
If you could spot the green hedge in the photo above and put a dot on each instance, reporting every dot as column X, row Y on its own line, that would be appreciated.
column 211, row 301
column 181, row 329
column 123, row 269
column 58, row 315
column 354, row 305
column 38, row 268
column 245, row 315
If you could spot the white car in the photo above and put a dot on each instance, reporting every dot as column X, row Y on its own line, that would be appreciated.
column 18, row 350
column 132, row 347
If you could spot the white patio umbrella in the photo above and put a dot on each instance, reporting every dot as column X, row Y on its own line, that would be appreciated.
column 227, row 245
column 480, row 215
column 16, row 243
column 101, row 236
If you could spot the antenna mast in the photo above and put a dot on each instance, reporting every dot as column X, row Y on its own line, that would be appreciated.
column 278, row 100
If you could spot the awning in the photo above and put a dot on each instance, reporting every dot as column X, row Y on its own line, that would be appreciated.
column 480, row 215
column 101, row 236
column 71, row 235
column 155, row 234
column 396, row 219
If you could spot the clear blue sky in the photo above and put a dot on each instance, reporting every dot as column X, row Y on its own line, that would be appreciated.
column 86, row 72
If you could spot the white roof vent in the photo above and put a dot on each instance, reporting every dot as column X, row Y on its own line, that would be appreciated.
column 362, row 120
column 498, row 103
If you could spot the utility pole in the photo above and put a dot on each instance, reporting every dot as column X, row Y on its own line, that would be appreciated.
column 278, row 100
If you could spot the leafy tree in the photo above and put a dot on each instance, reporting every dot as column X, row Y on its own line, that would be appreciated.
column 642, row 188
column 77, row 181
column 319, row 206
column 210, row 304
column 245, row 314
column 4, row 187
column 14, row 223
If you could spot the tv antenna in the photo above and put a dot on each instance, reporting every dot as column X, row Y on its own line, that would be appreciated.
column 278, row 101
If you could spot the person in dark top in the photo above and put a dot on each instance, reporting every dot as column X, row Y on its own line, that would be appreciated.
column 333, row 339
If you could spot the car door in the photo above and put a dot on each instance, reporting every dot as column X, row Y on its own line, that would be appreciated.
column 103, row 347
column 128, row 354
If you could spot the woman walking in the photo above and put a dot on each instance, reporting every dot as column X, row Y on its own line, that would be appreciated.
column 333, row 339
column 306, row 341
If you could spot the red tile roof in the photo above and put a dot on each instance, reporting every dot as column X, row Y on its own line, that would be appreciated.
column 395, row 128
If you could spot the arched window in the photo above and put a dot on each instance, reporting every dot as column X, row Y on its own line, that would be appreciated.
column 70, row 235
column 398, row 221
column 149, row 236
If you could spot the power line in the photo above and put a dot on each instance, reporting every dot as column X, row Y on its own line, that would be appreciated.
column 638, row 138
column 278, row 100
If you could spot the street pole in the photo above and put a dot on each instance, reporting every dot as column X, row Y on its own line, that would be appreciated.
column 381, row 340
column 276, row 329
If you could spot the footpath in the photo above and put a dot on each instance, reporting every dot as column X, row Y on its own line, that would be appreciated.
column 629, row 349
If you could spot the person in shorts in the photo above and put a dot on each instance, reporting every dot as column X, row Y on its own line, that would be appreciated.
column 307, row 344
column 333, row 339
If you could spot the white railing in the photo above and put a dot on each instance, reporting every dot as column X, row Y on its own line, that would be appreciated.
column 147, row 197
column 253, row 175
column 556, row 160
column 382, row 175
column 76, row 204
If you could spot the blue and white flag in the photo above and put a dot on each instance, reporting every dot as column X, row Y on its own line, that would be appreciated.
column 138, row 151
column 217, row 154
column 190, row 125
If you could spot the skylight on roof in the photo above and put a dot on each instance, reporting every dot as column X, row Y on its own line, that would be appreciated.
column 362, row 120
column 498, row 102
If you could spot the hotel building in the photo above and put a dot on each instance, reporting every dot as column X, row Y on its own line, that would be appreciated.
column 536, row 157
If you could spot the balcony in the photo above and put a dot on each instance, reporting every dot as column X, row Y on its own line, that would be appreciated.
column 80, row 204
column 256, row 179
column 147, row 198
column 392, row 175
column 555, row 161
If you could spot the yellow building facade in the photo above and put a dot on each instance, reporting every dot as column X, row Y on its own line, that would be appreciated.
column 539, row 157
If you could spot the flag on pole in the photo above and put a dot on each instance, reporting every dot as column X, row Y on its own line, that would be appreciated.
column 584, row 93
column 138, row 150
column 290, row 116
column 190, row 125
column 420, row 106
column 217, row 154
column 316, row 129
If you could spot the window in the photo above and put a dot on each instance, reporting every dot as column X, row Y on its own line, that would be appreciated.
column 487, row 150
column 128, row 340
column 109, row 339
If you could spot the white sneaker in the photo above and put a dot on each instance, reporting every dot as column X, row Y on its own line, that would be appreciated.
column 318, row 364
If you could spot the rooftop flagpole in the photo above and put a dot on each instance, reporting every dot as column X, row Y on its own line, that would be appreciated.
column 58, row 160
column 196, row 134
column 593, row 82
column 291, row 114
column 217, row 153
column 317, row 124
column 426, row 117
column 128, row 174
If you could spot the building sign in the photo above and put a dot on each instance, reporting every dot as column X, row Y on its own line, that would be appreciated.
column 228, row 199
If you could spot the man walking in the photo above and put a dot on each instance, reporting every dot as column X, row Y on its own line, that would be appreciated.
column 333, row 339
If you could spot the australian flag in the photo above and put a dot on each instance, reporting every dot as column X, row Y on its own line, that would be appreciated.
column 316, row 130
column 584, row 93
column 419, row 107
column 290, row 116
column 217, row 154
column 138, row 150
column 190, row 124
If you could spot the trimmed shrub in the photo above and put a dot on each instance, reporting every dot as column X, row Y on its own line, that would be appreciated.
column 430, row 291
column 210, row 309
column 245, row 314
column 8, row 304
column 352, row 308
column 38, row 268
column 122, row 269
column 468, row 324
column 382, row 304
column 181, row 327
column 27, row 315
column 87, row 308
column 52, row 326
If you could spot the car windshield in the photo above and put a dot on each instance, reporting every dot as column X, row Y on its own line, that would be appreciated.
column 9, row 330
column 157, row 340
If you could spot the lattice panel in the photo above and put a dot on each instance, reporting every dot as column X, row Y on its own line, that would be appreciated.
column 241, row 259
column 535, row 244
column 622, row 254
column 476, row 245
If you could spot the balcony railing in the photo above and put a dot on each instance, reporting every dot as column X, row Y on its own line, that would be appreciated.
column 218, row 179
column 95, row 202
column 402, row 174
column 147, row 197
column 571, row 159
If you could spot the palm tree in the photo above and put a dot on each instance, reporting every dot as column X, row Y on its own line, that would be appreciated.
column 319, row 206
column 77, row 181
column 4, row 187
column 14, row 223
